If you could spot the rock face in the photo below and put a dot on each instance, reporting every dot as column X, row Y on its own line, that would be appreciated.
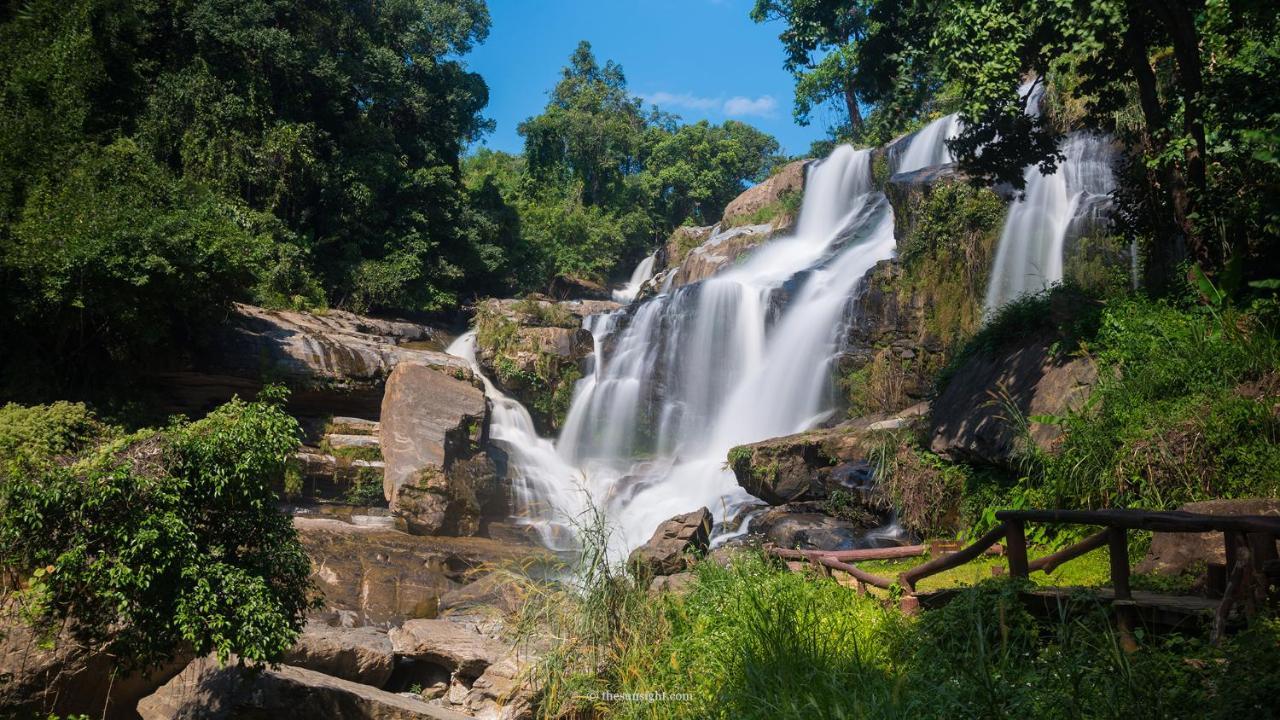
column 208, row 691
column 1174, row 553
column 971, row 419
column 461, row 649
column 362, row 655
column 667, row 552
column 432, row 425
column 533, row 349
column 380, row 577
column 789, row 179
column 335, row 363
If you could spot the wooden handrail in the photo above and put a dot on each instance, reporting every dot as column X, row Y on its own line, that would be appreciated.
column 1161, row 521
column 909, row 578
column 890, row 553
column 1049, row 563
column 866, row 577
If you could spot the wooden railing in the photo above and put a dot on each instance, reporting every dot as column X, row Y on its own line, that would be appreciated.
column 1250, row 544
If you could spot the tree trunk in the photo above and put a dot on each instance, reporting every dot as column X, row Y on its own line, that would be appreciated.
column 1172, row 250
column 851, row 101
column 1176, row 16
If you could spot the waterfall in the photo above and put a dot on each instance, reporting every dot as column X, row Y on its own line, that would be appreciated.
column 1053, row 210
column 642, row 273
column 928, row 147
column 681, row 378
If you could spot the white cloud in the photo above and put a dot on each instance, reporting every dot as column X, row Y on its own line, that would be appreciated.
column 762, row 106
column 684, row 100
column 737, row 106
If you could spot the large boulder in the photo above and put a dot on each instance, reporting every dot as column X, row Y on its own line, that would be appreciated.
column 992, row 396
column 669, row 550
column 808, row 526
column 361, row 655
column 381, row 577
column 789, row 179
column 336, row 363
column 458, row 647
column 432, row 422
column 206, row 690
column 1176, row 553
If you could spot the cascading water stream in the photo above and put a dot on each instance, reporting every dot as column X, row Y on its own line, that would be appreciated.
column 681, row 378
column 928, row 148
column 1053, row 210
column 639, row 276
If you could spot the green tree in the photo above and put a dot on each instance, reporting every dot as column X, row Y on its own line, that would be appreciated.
column 145, row 543
column 699, row 168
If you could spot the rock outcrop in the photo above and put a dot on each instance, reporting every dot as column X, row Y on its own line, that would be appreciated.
column 533, row 349
column 1176, row 553
column 210, row 691
column 569, row 287
column 335, row 363
column 433, row 429
column 721, row 250
column 381, row 577
column 670, row 549
column 788, row 180
column 991, row 396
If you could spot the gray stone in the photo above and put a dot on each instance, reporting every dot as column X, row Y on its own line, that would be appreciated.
column 668, row 551
column 1176, row 553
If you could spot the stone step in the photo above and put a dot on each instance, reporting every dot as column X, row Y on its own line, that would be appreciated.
column 338, row 442
column 353, row 426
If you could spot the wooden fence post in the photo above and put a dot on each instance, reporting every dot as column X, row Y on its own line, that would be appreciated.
column 1118, row 544
column 1016, row 544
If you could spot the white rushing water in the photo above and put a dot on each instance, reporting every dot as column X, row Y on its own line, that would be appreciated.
column 681, row 378
column 639, row 276
column 928, row 148
column 1053, row 210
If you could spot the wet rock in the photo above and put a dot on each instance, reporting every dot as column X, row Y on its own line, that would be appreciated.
column 668, row 551
column 208, row 691
column 973, row 418
column 361, row 655
column 431, row 422
column 1175, row 553
column 380, row 577
column 808, row 527
column 721, row 250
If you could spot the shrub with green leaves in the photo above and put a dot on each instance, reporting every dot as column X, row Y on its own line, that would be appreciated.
column 153, row 540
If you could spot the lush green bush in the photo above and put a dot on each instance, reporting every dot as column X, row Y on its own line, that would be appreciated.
column 154, row 540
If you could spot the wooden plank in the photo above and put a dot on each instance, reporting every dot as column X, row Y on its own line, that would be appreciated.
column 1016, row 542
column 909, row 578
column 1118, row 547
column 1049, row 563
column 861, row 575
column 1160, row 521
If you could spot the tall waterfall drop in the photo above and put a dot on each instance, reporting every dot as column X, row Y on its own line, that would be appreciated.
column 643, row 272
column 681, row 378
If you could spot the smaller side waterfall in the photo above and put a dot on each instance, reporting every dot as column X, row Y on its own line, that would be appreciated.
column 544, row 479
column 928, row 147
column 639, row 276
column 1054, row 209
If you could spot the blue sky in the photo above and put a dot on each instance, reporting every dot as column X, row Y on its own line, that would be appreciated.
column 699, row 59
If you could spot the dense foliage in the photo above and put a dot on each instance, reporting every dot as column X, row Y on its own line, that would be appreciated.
column 1188, row 87
column 150, row 542
column 602, row 181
